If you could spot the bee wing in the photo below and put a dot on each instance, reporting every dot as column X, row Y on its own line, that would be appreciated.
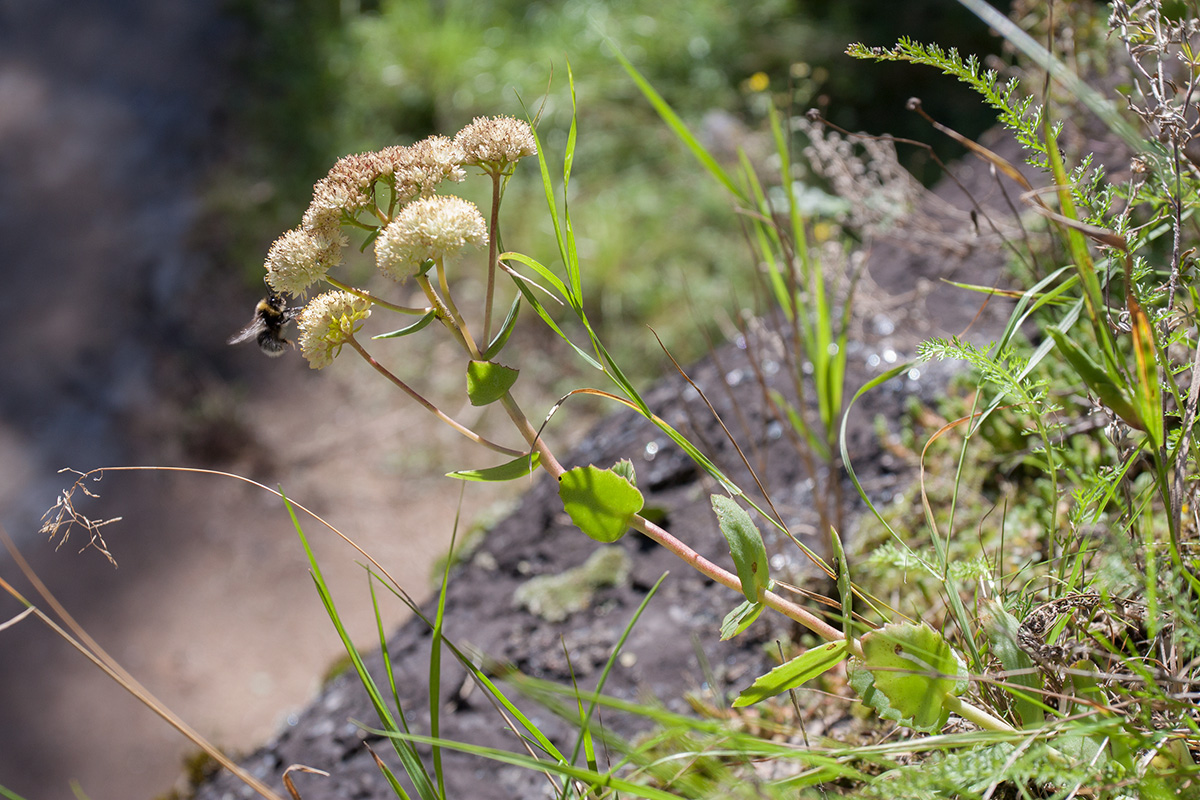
column 247, row 333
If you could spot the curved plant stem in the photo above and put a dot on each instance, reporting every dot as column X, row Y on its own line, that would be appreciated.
column 437, row 412
column 687, row 554
column 447, row 313
column 373, row 300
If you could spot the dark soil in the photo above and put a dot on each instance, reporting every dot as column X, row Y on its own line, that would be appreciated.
column 901, row 303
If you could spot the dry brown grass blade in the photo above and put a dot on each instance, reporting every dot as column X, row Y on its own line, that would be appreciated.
column 1031, row 196
column 82, row 642
column 107, row 664
column 16, row 619
column 287, row 778
column 1096, row 233
column 949, row 426
column 998, row 161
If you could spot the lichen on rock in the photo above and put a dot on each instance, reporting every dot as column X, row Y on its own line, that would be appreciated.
column 555, row 597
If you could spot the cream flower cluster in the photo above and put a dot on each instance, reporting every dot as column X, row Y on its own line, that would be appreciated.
column 495, row 141
column 327, row 323
column 434, row 228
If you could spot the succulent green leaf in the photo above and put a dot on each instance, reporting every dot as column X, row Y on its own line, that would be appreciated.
column 600, row 502
column 908, row 671
column 519, row 467
column 740, row 618
column 416, row 326
column 813, row 662
column 506, row 330
column 487, row 382
column 745, row 545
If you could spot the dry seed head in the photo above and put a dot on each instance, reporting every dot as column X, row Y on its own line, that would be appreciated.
column 430, row 228
column 348, row 188
column 327, row 323
column 418, row 170
column 496, row 141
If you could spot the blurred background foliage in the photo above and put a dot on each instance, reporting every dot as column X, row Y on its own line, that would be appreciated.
column 328, row 77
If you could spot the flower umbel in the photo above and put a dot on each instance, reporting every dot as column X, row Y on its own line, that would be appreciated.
column 299, row 259
column 495, row 142
column 431, row 228
column 327, row 323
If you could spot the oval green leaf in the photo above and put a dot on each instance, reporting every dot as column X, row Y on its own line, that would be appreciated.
column 487, row 382
column 745, row 545
column 908, row 672
column 599, row 502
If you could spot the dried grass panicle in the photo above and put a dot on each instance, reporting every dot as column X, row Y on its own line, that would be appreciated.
column 866, row 172
column 60, row 518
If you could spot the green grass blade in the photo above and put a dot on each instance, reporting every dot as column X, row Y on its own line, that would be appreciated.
column 612, row 658
column 599, row 780
column 435, row 661
column 407, row 754
column 534, row 303
column 9, row 795
column 383, row 649
column 676, row 124
column 493, row 690
column 391, row 778
column 844, row 447
column 572, row 260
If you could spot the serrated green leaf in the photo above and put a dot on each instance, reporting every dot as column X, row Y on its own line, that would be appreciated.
column 801, row 669
column 907, row 672
column 487, row 382
column 416, row 326
column 745, row 545
column 600, row 502
column 740, row 618
column 519, row 467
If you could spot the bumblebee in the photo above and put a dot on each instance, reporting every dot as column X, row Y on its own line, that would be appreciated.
column 270, row 315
